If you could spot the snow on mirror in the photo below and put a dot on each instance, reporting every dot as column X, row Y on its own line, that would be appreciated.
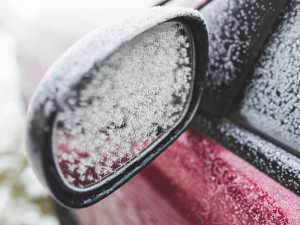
column 123, row 104
column 114, row 101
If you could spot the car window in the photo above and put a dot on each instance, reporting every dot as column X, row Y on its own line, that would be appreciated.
column 237, row 30
column 271, row 100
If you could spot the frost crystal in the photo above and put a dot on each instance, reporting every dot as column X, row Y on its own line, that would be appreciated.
column 231, row 32
column 272, row 101
column 123, row 104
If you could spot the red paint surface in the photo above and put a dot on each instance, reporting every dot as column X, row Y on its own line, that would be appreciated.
column 199, row 182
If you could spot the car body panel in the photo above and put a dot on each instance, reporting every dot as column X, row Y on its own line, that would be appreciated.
column 269, row 158
column 205, row 184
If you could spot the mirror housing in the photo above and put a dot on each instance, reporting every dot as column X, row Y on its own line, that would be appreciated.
column 68, row 71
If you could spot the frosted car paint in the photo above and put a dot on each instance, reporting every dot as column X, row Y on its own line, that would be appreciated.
column 269, row 158
column 197, row 181
column 139, row 207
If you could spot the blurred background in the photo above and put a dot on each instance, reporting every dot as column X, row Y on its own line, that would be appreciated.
column 23, row 200
column 32, row 34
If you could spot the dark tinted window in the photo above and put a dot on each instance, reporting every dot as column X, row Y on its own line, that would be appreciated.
column 271, row 101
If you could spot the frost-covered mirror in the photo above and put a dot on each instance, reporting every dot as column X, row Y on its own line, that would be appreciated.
column 123, row 104
column 114, row 101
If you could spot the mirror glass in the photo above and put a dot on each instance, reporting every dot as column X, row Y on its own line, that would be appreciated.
column 123, row 105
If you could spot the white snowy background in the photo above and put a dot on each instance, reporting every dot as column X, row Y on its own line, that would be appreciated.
column 23, row 200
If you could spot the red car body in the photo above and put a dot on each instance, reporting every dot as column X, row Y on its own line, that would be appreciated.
column 195, row 181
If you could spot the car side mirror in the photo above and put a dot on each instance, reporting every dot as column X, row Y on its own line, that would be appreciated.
column 114, row 101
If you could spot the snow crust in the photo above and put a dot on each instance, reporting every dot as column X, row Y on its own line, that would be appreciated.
column 96, row 46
